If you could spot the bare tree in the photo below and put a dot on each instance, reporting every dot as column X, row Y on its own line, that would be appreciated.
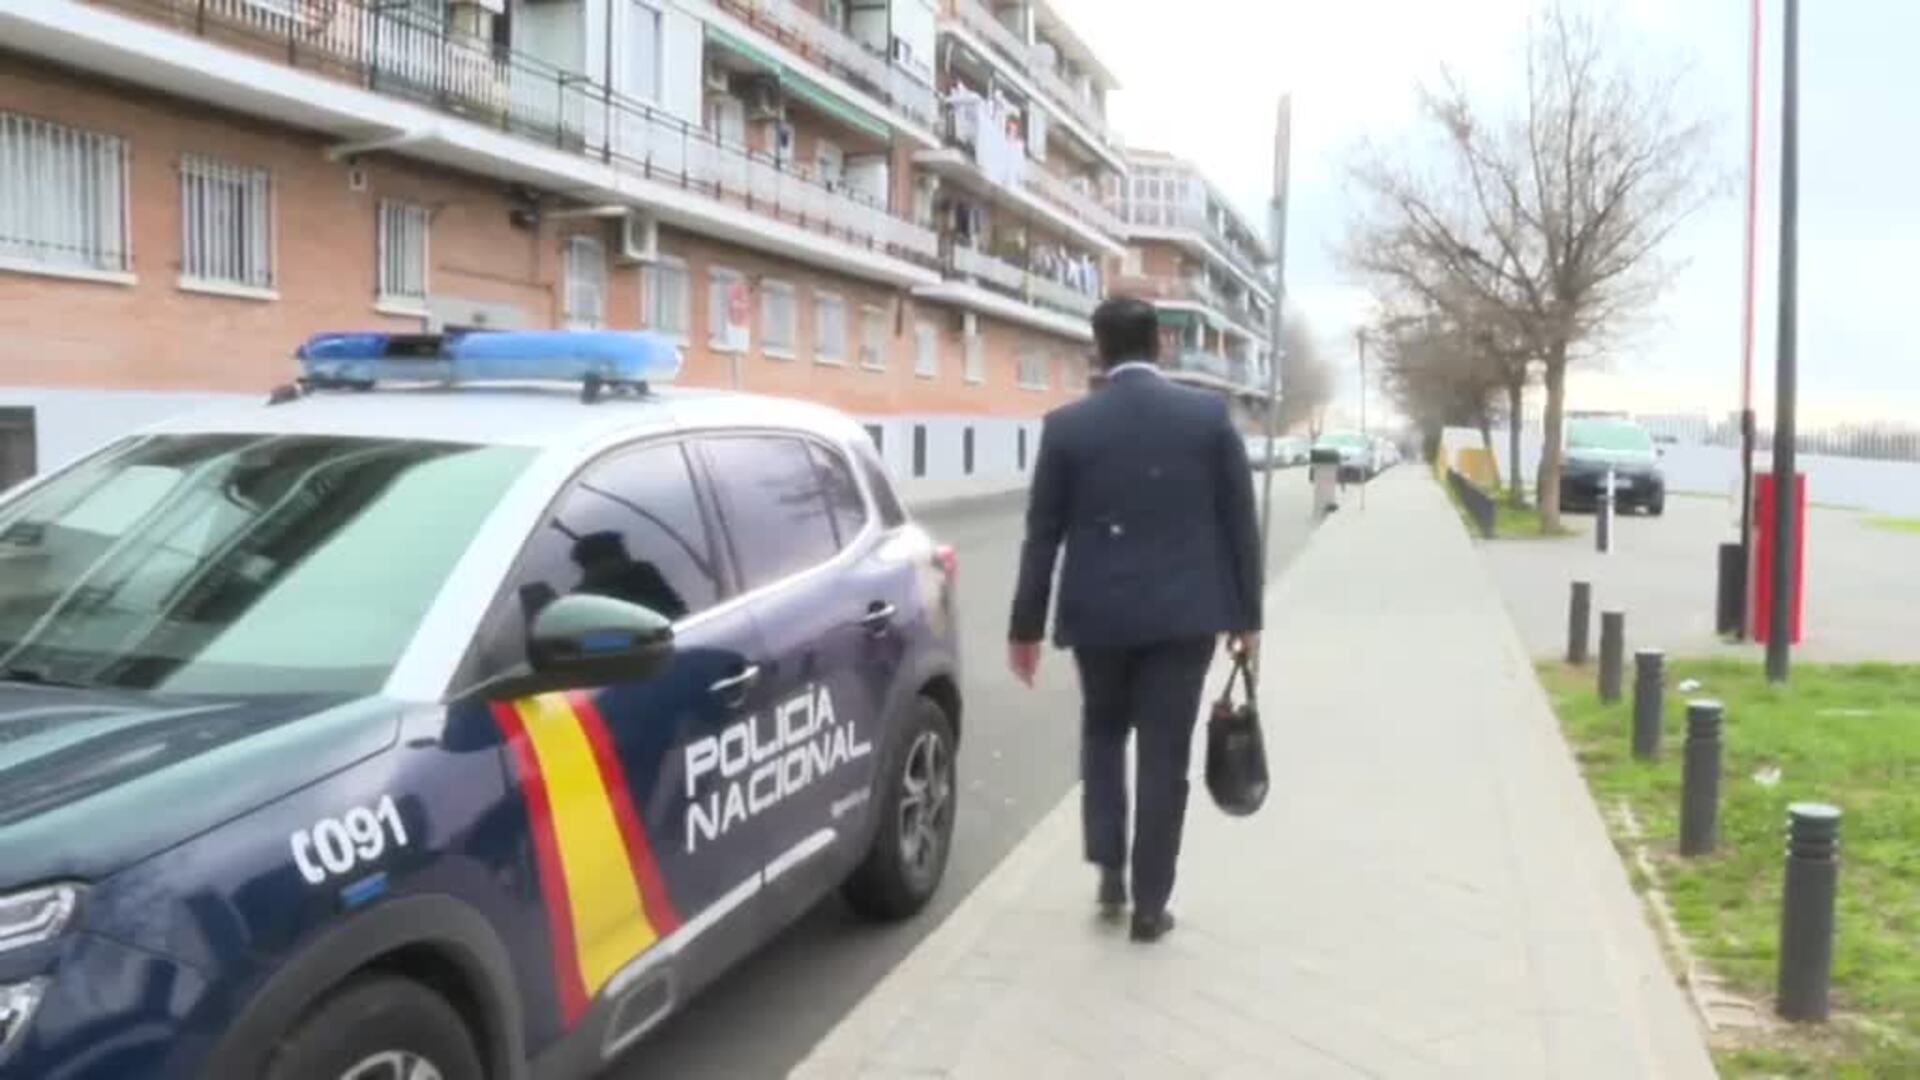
column 1543, row 226
column 1305, row 378
column 1438, row 375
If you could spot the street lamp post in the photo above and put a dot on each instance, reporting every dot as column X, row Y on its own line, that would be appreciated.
column 1786, row 506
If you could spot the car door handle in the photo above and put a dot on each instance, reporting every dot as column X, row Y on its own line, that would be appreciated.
column 879, row 616
column 733, row 689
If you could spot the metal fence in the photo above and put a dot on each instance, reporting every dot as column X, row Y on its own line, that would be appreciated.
column 400, row 51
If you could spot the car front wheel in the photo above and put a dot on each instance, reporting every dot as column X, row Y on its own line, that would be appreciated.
column 918, row 789
column 378, row 1028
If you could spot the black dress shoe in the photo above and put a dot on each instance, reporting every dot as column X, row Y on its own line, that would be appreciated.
column 1113, row 892
column 1148, row 929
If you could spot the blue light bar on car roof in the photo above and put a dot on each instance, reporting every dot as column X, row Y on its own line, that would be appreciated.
column 576, row 356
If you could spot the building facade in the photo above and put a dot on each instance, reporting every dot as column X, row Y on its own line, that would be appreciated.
column 891, row 206
column 1207, row 270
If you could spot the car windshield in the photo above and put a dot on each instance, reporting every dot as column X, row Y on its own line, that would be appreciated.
column 245, row 564
column 1617, row 436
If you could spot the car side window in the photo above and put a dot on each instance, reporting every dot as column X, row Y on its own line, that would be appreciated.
column 775, row 503
column 892, row 514
column 630, row 527
column 844, row 501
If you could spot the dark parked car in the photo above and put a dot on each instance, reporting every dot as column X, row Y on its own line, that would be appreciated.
column 1603, row 447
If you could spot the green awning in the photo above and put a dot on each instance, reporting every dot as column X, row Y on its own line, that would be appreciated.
column 1180, row 318
column 797, row 84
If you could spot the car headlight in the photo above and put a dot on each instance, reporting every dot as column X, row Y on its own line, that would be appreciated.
column 33, row 916
column 17, row 1004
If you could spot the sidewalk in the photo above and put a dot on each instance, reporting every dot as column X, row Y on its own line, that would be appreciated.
column 1429, row 892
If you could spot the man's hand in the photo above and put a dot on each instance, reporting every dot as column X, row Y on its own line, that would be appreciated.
column 1023, row 657
column 1247, row 644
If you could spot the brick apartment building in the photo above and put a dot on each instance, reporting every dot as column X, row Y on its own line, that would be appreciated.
column 904, row 208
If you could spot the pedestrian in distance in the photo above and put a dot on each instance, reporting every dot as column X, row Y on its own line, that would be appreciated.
column 1145, row 486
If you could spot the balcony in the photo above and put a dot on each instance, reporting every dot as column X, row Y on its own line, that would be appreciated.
column 1216, row 242
column 1232, row 374
column 1076, row 202
column 979, row 158
column 976, row 17
column 840, row 53
column 398, row 53
column 1005, row 277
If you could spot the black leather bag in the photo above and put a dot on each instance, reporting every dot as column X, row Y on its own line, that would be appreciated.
column 1236, row 751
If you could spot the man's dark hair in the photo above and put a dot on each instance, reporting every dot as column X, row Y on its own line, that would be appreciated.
column 1126, row 329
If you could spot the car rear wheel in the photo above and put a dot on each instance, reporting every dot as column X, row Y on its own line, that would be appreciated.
column 917, row 802
column 378, row 1028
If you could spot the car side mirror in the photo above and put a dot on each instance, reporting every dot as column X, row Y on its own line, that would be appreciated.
column 582, row 641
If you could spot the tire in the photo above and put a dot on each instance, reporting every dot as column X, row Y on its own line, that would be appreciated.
column 903, row 868
column 378, row 1027
column 1657, row 507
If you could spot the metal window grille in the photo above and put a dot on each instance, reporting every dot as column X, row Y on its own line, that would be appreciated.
column 667, row 298
column 830, row 328
column 778, row 316
column 873, row 338
column 226, row 215
column 402, row 251
column 63, row 195
column 926, row 350
column 586, row 283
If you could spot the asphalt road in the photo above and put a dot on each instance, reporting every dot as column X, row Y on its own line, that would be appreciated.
column 1017, row 760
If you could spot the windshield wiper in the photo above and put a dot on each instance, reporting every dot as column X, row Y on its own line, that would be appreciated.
column 36, row 677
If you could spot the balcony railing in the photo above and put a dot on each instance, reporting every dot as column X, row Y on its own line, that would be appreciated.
column 838, row 51
column 979, row 18
column 1081, row 205
column 1160, row 215
column 398, row 52
column 1018, row 282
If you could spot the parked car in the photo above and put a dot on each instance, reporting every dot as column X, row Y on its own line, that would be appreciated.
column 1601, row 446
column 452, row 730
column 1358, row 457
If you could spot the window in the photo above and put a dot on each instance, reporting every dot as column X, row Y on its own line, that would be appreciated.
column 919, row 451
column 586, row 283
column 776, row 506
column 226, row 215
column 926, row 350
column 643, row 50
column 873, row 338
column 876, row 435
column 402, row 253
column 845, row 504
column 721, row 332
column 666, row 298
column 241, row 564
column 1073, row 372
column 631, row 527
column 966, row 451
column 1033, row 373
column 829, row 162
column 975, row 364
column 779, row 318
column 829, row 329
column 1021, row 449
column 63, row 196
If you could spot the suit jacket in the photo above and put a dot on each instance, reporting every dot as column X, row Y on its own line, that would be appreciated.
column 1146, row 485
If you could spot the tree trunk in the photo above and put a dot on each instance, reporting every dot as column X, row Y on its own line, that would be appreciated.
column 1516, row 409
column 1553, row 435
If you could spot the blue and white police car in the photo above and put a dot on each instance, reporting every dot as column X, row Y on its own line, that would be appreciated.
column 456, row 714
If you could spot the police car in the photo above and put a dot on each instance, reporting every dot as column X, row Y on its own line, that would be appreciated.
column 458, row 713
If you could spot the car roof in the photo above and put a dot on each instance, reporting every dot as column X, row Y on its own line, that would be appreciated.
column 546, row 417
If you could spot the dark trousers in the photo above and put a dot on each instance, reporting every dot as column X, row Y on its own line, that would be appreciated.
column 1153, row 690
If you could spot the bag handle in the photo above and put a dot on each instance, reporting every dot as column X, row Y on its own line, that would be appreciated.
column 1242, row 673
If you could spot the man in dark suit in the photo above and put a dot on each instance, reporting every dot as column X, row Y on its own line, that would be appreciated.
column 1146, row 485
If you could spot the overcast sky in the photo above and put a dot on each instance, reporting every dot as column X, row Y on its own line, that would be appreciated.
column 1202, row 78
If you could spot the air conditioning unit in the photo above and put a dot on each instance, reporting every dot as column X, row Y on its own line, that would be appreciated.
column 719, row 79
column 763, row 100
column 639, row 238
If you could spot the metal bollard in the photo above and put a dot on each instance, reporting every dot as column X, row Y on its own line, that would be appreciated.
column 1649, row 701
column 1700, row 779
column 1613, row 645
column 1806, row 917
column 1579, row 622
column 1603, row 520
column 1730, row 599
